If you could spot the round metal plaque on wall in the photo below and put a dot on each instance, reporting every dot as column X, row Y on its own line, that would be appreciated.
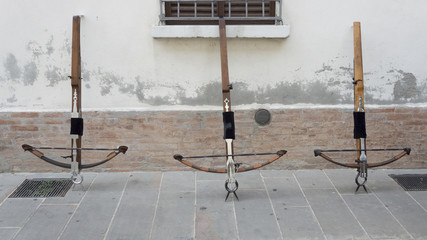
column 262, row 117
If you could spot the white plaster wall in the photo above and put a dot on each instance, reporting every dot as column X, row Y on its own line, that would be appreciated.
column 125, row 67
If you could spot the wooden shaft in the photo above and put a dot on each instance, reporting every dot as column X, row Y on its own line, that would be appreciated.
column 221, row 8
column 76, row 79
column 358, row 75
column 224, row 66
column 358, row 66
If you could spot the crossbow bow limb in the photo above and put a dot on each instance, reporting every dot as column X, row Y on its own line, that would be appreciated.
column 231, row 184
column 76, row 131
column 361, row 162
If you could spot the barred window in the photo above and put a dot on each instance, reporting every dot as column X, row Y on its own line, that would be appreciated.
column 206, row 12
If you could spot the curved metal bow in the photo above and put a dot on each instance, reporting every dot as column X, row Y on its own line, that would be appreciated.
column 231, row 184
column 238, row 165
column 405, row 151
column 361, row 162
column 76, row 131
column 39, row 154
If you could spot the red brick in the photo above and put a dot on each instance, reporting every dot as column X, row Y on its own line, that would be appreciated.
column 9, row 121
column 25, row 128
column 25, row 115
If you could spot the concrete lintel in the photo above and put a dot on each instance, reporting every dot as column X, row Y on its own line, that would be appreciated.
column 211, row 31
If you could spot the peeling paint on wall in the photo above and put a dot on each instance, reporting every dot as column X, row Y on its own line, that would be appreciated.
column 12, row 99
column 405, row 89
column 30, row 73
column 54, row 75
column 12, row 69
column 126, row 67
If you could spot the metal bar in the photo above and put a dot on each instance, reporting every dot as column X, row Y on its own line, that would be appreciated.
column 161, row 9
column 263, row 8
column 195, row 9
column 178, row 10
column 65, row 148
column 359, row 150
column 212, row 9
column 231, row 155
column 215, row 18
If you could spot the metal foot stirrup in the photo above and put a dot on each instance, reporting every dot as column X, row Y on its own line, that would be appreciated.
column 231, row 188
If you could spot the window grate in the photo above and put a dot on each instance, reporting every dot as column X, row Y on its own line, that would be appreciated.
column 195, row 12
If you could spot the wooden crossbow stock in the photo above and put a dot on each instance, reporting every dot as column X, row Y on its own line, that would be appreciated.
column 361, row 162
column 76, row 131
column 231, row 184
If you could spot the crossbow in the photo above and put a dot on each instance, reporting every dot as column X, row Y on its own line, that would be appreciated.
column 359, row 131
column 76, row 131
column 231, row 168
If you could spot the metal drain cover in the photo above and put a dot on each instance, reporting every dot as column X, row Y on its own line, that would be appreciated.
column 262, row 117
column 411, row 182
column 42, row 188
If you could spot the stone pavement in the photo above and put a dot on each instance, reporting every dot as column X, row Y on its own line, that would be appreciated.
column 274, row 204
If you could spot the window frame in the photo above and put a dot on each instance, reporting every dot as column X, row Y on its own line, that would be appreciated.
column 194, row 12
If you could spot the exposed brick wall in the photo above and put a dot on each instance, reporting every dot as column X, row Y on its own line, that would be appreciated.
column 154, row 137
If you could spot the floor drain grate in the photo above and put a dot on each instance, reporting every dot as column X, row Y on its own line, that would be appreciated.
column 411, row 182
column 43, row 188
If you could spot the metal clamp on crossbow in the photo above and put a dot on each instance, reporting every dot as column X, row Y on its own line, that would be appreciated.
column 361, row 162
column 76, row 130
column 231, row 184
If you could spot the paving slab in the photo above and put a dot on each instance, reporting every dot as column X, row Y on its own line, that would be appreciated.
column 14, row 212
column 313, row 179
column 200, row 176
column 215, row 218
column 249, row 180
column 134, row 216
column 344, row 180
column 175, row 212
column 8, row 183
column 47, row 222
column 294, row 215
column 178, row 182
column 285, row 192
column 378, row 222
column 334, row 217
column 276, row 173
column 298, row 223
column 94, row 213
column 420, row 197
column 410, row 214
column 8, row 233
column 255, row 216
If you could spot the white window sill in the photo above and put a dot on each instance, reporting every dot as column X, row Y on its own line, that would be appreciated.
column 211, row 31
